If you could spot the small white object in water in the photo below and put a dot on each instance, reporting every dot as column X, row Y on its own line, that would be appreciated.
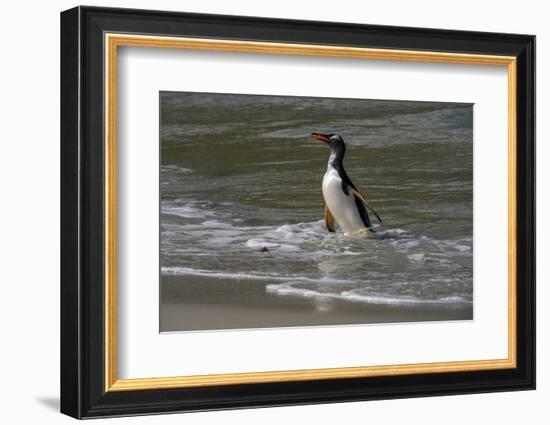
column 415, row 258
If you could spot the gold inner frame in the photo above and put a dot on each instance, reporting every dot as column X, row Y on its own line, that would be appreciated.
column 113, row 41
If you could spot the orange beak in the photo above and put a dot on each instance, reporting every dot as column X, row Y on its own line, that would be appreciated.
column 320, row 137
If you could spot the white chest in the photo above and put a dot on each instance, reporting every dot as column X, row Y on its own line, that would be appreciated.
column 342, row 206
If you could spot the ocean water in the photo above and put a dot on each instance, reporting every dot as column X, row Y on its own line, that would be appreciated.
column 241, row 196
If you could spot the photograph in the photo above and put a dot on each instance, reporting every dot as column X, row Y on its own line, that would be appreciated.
column 290, row 211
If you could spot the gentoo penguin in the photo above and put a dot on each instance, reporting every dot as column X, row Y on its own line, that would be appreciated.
column 343, row 202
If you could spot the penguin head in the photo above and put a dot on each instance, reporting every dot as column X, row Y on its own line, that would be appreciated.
column 334, row 141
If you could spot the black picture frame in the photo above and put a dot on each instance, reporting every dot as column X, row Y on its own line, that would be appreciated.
column 83, row 392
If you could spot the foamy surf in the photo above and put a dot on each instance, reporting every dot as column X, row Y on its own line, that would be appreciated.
column 303, row 260
column 286, row 289
column 306, row 287
column 187, row 271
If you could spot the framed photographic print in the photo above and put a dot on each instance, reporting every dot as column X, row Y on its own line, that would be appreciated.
column 261, row 212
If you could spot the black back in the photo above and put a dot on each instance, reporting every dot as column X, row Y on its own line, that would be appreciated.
column 338, row 149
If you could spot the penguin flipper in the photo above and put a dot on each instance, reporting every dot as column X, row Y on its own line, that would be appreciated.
column 329, row 220
column 359, row 197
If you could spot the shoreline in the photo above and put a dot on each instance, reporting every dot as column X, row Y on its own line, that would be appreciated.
column 193, row 303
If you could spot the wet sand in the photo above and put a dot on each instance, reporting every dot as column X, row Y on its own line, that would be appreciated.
column 191, row 303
